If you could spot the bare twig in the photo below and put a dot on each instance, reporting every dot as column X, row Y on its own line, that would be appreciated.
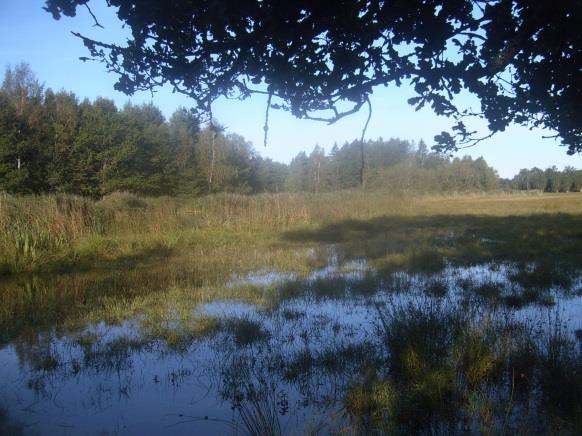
column 198, row 419
column 367, row 120
column 362, row 161
column 97, row 24
column 473, row 142
column 266, row 126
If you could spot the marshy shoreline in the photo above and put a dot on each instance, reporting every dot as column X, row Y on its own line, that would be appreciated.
column 345, row 313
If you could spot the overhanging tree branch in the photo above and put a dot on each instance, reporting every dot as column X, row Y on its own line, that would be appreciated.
column 316, row 56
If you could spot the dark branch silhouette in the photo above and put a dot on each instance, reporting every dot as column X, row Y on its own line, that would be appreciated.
column 322, row 60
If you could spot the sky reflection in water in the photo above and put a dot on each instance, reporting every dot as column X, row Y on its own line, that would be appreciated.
column 294, row 357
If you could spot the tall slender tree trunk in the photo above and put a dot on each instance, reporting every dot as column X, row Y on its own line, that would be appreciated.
column 317, row 173
column 362, row 163
column 212, row 162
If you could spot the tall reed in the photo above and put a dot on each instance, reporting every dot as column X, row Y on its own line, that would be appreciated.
column 51, row 231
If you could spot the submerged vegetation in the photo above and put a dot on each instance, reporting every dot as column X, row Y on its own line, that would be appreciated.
column 346, row 312
column 453, row 368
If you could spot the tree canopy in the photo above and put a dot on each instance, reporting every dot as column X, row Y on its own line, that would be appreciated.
column 321, row 59
column 53, row 142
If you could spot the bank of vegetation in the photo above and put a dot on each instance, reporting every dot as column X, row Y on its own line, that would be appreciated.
column 66, row 232
column 54, row 142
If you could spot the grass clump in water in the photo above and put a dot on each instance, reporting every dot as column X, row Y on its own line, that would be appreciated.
column 454, row 372
column 245, row 331
column 437, row 288
column 329, row 287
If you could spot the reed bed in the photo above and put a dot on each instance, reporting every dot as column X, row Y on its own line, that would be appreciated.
column 56, row 232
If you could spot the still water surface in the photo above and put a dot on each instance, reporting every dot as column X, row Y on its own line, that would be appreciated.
column 290, row 361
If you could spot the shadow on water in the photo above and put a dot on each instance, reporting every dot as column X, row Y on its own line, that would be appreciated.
column 440, row 325
column 392, row 363
column 8, row 426
column 64, row 302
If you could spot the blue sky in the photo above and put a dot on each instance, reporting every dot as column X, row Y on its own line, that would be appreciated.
column 29, row 34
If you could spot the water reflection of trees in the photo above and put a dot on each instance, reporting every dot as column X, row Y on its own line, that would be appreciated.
column 427, row 353
column 270, row 376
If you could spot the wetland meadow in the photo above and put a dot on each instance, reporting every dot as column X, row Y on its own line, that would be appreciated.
column 340, row 313
column 161, row 276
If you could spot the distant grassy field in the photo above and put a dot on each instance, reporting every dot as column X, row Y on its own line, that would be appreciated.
column 67, row 233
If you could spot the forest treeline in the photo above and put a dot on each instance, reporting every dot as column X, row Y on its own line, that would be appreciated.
column 548, row 180
column 54, row 142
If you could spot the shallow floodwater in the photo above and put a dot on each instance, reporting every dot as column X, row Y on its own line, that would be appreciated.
column 287, row 364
